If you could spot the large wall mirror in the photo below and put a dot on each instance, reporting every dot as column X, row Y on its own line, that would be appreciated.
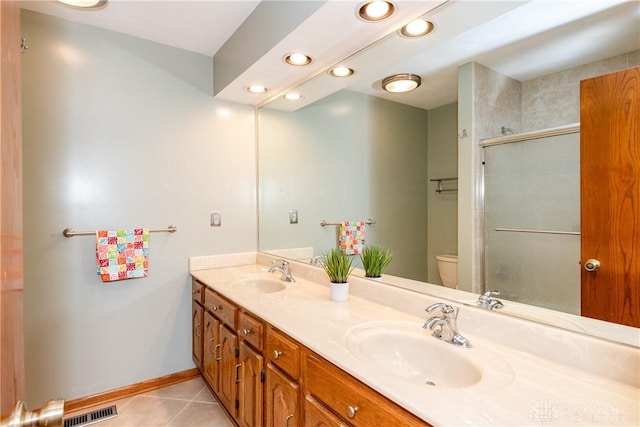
column 351, row 152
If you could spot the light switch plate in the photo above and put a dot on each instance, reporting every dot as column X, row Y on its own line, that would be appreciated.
column 293, row 216
column 216, row 218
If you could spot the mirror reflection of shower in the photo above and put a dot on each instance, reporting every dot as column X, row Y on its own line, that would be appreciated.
column 532, row 218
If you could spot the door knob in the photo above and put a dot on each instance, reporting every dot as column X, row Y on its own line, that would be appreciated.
column 51, row 415
column 592, row 265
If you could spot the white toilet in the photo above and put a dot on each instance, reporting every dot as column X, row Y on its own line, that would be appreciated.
column 448, row 270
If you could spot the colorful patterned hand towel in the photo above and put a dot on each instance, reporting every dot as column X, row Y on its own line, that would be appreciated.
column 122, row 254
column 351, row 237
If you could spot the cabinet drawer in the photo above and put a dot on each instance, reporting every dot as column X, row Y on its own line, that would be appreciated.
column 353, row 400
column 250, row 330
column 223, row 309
column 283, row 352
column 197, row 291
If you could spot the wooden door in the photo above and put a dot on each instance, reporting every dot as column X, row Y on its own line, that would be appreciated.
column 281, row 400
column 610, row 196
column 316, row 415
column 250, row 390
column 228, row 391
column 197, row 315
column 11, row 252
column 210, row 350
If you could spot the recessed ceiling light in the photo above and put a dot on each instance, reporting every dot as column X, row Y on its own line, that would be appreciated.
column 257, row 89
column 341, row 71
column 399, row 83
column 297, row 59
column 376, row 10
column 292, row 96
column 84, row 4
column 417, row 28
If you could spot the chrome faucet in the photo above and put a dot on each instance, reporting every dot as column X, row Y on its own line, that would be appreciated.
column 444, row 327
column 487, row 301
column 318, row 261
column 282, row 268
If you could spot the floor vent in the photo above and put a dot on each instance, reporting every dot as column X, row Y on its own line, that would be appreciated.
column 91, row 417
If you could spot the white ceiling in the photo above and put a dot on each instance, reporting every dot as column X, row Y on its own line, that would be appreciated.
column 522, row 39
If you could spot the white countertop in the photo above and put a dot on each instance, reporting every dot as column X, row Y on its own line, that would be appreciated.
column 517, row 387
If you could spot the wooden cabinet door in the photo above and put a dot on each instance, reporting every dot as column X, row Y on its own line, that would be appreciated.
column 610, row 196
column 228, row 390
column 316, row 415
column 210, row 350
column 197, row 330
column 250, row 390
column 281, row 400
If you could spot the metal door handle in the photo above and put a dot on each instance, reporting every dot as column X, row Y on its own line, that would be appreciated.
column 592, row 265
column 50, row 415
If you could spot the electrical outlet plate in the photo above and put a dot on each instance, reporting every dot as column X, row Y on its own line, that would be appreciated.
column 293, row 216
column 216, row 218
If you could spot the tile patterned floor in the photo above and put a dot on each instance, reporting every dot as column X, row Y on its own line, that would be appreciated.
column 186, row 404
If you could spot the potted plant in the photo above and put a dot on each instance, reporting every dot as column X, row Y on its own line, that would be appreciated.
column 375, row 260
column 337, row 264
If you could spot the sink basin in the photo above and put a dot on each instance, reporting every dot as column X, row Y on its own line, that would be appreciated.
column 407, row 351
column 260, row 284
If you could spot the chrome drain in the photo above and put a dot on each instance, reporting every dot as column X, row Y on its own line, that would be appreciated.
column 91, row 417
column 427, row 383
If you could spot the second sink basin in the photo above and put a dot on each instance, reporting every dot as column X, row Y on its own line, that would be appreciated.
column 405, row 350
column 265, row 284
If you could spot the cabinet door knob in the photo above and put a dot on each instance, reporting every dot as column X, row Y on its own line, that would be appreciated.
column 195, row 291
column 216, row 308
column 276, row 354
column 351, row 411
column 245, row 332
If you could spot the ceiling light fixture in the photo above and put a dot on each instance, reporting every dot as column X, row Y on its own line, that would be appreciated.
column 84, row 4
column 341, row 71
column 375, row 11
column 292, row 96
column 417, row 28
column 399, row 83
column 257, row 89
column 298, row 59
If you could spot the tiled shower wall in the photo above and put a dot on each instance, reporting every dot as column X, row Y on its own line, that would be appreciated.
column 554, row 100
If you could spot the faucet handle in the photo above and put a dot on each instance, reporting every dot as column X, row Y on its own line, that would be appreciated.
column 489, row 294
column 445, row 308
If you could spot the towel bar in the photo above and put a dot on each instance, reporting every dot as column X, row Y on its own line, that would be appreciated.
column 324, row 223
column 68, row 232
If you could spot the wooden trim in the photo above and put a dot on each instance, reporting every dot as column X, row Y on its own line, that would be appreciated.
column 130, row 390
column 11, row 239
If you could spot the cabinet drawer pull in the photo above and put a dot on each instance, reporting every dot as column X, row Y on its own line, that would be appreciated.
column 196, row 291
column 286, row 422
column 238, row 379
column 198, row 330
column 216, row 307
column 244, row 332
column 276, row 354
column 351, row 411
column 215, row 352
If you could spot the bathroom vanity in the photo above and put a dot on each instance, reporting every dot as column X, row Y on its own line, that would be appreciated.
column 282, row 354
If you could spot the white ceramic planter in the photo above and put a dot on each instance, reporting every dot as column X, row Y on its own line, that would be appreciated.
column 339, row 292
